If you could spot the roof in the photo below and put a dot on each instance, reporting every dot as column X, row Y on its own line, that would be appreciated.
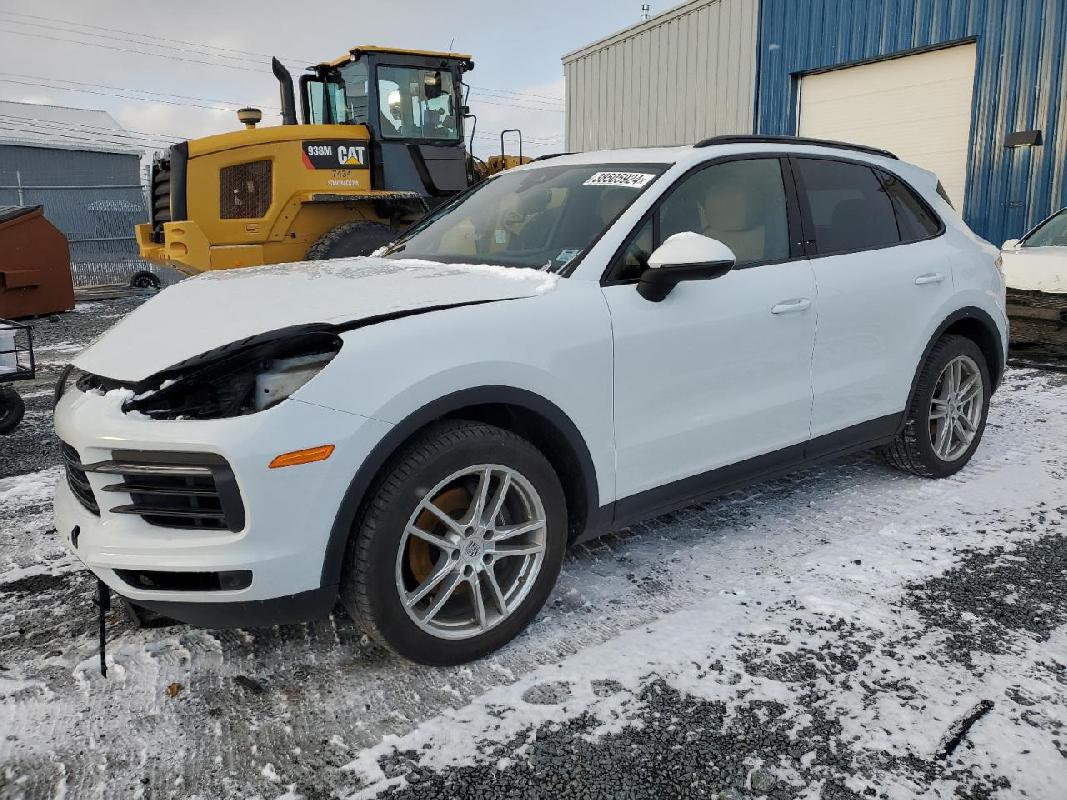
column 690, row 155
column 359, row 49
column 63, row 128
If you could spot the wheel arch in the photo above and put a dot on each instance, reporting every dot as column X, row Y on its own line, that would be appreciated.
column 525, row 413
column 972, row 323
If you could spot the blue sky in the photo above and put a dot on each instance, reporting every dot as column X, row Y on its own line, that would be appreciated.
column 84, row 54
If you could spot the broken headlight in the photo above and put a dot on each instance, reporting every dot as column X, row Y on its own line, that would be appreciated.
column 237, row 379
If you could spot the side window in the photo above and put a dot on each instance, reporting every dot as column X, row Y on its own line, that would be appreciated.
column 915, row 221
column 740, row 203
column 635, row 257
column 848, row 206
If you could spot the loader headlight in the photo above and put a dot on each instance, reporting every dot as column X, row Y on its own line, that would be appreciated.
column 237, row 379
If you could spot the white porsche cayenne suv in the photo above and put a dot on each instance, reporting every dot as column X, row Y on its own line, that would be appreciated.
column 562, row 350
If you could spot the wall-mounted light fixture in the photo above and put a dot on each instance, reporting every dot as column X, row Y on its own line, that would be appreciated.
column 1023, row 139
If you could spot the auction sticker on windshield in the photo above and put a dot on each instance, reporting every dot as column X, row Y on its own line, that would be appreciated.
column 635, row 180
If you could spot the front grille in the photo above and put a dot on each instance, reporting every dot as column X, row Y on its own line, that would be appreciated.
column 172, row 501
column 245, row 190
column 170, row 490
column 160, row 210
column 77, row 480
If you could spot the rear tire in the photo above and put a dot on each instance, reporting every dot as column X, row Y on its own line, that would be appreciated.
column 419, row 594
column 12, row 409
column 926, row 447
column 351, row 239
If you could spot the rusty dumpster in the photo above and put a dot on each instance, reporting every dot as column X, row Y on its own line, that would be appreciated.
column 35, row 275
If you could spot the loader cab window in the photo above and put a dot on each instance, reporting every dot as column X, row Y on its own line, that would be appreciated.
column 341, row 97
column 355, row 94
column 417, row 103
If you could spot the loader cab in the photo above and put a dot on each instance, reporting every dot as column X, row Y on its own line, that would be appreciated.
column 412, row 103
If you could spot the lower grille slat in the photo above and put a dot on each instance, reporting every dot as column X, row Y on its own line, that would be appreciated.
column 180, row 513
column 160, row 490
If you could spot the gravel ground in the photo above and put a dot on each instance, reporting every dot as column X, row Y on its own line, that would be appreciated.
column 846, row 632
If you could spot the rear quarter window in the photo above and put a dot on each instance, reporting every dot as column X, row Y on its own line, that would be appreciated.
column 915, row 220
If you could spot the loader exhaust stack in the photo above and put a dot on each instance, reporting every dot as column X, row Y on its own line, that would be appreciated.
column 285, row 83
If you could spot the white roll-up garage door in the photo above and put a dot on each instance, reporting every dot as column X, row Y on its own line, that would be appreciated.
column 917, row 106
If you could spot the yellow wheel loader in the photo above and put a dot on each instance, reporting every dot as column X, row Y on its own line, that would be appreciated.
column 379, row 143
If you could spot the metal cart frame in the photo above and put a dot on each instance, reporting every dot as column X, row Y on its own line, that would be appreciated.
column 17, row 363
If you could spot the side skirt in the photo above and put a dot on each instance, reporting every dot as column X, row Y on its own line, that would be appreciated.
column 708, row 485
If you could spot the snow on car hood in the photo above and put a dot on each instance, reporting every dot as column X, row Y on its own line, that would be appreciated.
column 218, row 308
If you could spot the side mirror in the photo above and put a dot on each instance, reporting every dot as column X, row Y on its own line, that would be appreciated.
column 684, row 257
column 1010, row 244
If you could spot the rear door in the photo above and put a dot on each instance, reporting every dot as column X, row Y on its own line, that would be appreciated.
column 720, row 371
column 883, row 274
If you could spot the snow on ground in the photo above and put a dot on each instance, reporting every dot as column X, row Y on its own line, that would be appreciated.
column 815, row 636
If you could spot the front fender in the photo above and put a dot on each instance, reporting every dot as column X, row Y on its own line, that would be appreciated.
column 550, row 354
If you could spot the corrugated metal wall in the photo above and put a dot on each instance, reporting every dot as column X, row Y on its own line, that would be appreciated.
column 94, row 198
column 1020, row 84
column 684, row 75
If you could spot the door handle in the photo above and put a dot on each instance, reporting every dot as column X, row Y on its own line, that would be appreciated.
column 789, row 306
column 929, row 277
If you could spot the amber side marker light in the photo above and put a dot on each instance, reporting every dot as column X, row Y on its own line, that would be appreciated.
column 298, row 457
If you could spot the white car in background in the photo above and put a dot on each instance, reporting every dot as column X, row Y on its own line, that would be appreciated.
column 1038, row 261
column 564, row 349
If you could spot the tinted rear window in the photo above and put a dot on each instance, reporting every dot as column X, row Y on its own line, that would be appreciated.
column 848, row 206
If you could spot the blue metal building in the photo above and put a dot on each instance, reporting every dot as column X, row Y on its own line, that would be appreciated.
column 1016, row 151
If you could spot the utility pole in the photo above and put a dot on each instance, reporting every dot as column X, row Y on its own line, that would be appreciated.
column 646, row 12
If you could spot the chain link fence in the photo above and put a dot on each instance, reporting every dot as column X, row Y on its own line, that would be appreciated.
column 98, row 221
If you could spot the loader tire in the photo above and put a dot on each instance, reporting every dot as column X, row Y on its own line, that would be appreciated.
column 351, row 239
column 146, row 279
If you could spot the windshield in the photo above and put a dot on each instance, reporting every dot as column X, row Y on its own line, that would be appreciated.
column 417, row 103
column 1052, row 233
column 544, row 218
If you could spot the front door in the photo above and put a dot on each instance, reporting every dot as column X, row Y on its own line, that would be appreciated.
column 720, row 371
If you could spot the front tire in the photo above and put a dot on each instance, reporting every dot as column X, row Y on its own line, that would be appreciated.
column 458, row 546
column 351, row 239
column 947, row 415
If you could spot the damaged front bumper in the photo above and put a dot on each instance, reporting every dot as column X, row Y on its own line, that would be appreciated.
column 185, row 517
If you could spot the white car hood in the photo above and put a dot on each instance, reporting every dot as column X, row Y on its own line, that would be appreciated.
column 1042, row 269
column 219, row 308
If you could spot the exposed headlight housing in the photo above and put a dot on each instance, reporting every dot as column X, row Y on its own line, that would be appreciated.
column 232, row 381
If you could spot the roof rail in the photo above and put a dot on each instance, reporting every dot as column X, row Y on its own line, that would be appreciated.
column 750, row 138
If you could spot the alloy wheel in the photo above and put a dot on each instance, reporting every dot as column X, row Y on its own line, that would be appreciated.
column 956, row 408
column 471, row 551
